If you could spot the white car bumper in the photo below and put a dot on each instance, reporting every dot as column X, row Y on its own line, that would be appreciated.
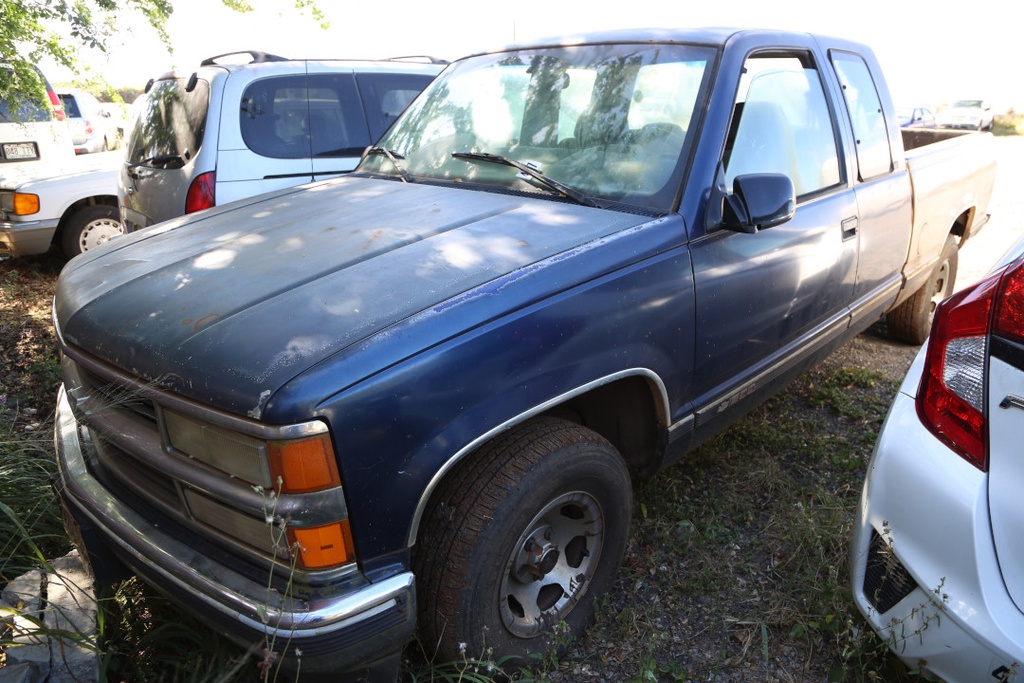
column 28, row 238
column 923, row 566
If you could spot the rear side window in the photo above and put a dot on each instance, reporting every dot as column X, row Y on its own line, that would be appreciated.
column 25, row 111
column 71, row 106
column 385, row 96
column 20, row 110
column 292, row 117
column 170, row 124
column 874, row 156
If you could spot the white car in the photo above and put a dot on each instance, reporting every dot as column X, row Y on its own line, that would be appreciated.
column 70, row 204
column 970, row 114
column 937, row 563
column 92, row 128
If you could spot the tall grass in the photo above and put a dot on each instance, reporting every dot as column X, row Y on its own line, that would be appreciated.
column 30, row 522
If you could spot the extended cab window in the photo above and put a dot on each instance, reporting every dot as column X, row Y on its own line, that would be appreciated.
column 292, row 117
column 782, row 124
column 874, row 157
column 171, row 123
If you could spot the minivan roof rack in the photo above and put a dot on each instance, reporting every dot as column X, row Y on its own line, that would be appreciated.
column 418, row 58
column 257, row 57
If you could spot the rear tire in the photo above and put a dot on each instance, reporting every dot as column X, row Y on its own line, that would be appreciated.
column 911, row 321
column 519, row 540
column 90, row 227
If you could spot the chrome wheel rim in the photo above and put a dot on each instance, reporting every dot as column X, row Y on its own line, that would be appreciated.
column 552, row 564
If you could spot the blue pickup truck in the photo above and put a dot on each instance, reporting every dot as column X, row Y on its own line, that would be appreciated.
column 417, row 396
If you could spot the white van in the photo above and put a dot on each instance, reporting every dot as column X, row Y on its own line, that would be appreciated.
column 30, row 131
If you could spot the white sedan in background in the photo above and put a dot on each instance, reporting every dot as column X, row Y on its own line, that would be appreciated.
column 969, row 114
column 937, row 563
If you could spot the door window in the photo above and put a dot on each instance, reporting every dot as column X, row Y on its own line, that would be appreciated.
column 782, row 124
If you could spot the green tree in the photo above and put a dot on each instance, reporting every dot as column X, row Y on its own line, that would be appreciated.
column 59, row 29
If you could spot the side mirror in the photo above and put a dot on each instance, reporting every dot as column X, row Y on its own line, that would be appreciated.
column 759, row 201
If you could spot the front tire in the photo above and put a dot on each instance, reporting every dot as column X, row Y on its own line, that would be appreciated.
column 89, row 228
column 521, row 540
column 911, row 321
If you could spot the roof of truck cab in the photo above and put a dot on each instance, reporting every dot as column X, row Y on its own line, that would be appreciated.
column 706, row 36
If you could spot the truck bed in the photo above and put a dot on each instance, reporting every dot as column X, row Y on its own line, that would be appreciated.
column 953, row 173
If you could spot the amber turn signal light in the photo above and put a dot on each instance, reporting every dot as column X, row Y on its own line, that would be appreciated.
column 321, row 547
column 25, row 204
column 304, row 465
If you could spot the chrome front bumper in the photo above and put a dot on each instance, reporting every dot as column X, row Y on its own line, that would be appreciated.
column 346, row 628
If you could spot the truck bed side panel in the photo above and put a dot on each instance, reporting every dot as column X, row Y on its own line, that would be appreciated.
column 951, row 178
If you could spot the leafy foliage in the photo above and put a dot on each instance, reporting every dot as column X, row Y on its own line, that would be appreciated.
column 35, row 29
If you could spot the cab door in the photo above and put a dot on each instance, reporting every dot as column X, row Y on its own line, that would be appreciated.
column 784, row 292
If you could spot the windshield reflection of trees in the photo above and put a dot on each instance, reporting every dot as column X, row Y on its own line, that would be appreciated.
column 566, row 112
column 170, row 123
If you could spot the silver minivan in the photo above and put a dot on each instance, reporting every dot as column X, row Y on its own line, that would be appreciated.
column 228, row 131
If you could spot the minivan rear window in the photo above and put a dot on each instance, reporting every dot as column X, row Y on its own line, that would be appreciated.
column 172, row 119
column 71, row 106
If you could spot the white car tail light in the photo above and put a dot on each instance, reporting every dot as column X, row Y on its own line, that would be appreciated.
column 951, row 399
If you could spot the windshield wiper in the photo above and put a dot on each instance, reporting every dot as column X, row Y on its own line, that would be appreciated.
column 550, row 183
column 159, row 159
column 393, row 157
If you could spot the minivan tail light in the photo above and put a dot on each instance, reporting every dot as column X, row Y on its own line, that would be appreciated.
column 201, row 194
column 951, row 398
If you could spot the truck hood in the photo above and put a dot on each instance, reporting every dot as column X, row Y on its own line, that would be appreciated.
column 228, row 305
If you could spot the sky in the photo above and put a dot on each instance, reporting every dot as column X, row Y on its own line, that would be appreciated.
column 930, row 57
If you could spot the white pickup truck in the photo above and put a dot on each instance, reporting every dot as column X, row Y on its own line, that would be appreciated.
column 71, row 204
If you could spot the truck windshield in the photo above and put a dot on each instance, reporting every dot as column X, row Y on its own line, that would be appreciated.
column 610, row 121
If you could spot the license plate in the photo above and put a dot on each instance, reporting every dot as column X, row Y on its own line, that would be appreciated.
column 20, row 150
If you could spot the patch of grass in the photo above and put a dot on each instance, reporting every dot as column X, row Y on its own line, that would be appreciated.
column 753, row 530
column 30, row 522
column 146, row 638
column 1008, row 124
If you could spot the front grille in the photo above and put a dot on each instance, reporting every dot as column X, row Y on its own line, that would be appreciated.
column 886, row 580
column 129, row 452
column 187, row 480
